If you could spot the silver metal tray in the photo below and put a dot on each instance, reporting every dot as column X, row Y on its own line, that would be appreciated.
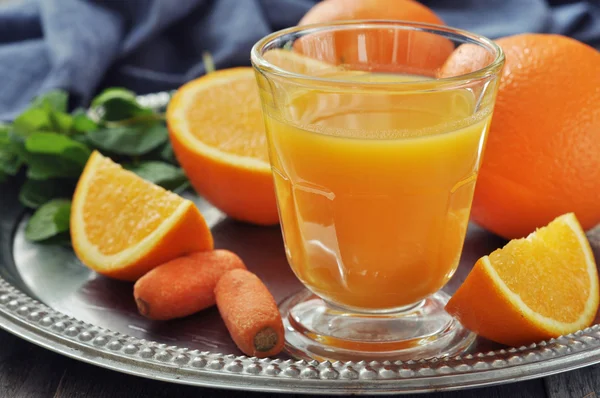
column 49, row 298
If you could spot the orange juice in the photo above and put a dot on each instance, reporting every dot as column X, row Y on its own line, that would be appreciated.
column 374, row 188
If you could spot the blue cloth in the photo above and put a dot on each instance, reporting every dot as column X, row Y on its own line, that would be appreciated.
column 153, row 45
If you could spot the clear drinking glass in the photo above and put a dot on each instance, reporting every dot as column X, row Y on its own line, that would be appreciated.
column 375, row 146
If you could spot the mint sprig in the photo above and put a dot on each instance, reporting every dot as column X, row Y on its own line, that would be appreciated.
column 46, row 148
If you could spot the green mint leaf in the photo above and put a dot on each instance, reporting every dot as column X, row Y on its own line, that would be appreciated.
column 160, row 173
column 82, row 139
column 10, row 163
column 58, row 145
column 49, row 221
column 34, row 193
column 62, row 239
column 43, row 167
column 32, row 119
column 129, row 140
column 48, row 162
column 118, row 104
column 54, row 100
column 163, row 153
column 167, row 154
column 4, row 134
column 16, row 144
column 184, row 186
column 46, row 112
column 10, row 159
column 62, row 122
column 112, row 93
column 82, row 123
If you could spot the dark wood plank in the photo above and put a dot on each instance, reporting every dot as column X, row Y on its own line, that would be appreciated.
column 580, row 383
column 27, row 371
column 84, row 380
column 525, row 389
column 87, row 381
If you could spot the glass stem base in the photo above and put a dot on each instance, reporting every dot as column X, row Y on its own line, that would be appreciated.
column 315, row 330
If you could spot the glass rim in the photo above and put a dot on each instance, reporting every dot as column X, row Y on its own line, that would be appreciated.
column 493, row 68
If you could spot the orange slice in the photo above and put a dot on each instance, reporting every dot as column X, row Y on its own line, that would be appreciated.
column 123, row 226
column 535, row 288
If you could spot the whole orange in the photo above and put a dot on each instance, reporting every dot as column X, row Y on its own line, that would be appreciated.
column 338, row 10
column 379, row 50
column 543, row 152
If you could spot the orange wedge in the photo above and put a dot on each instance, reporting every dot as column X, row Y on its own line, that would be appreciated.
column 123, row 226
column 535, row 288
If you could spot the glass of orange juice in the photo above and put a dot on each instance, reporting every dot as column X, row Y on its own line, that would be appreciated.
column 375, row 140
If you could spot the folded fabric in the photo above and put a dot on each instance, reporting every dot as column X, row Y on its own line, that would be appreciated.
column 154, row 45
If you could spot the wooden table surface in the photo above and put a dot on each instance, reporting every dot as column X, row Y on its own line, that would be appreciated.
column 29, row 371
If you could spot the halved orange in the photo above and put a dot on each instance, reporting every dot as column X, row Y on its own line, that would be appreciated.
column 218, row 134
column 535, row 288
column 123, row 226
column 217, row 130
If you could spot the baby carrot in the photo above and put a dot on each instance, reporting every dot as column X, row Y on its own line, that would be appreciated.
column 183, row 286
column 250, row 314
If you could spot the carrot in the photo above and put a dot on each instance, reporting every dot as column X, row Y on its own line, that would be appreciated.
column 250, row 314
column 183, row 286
